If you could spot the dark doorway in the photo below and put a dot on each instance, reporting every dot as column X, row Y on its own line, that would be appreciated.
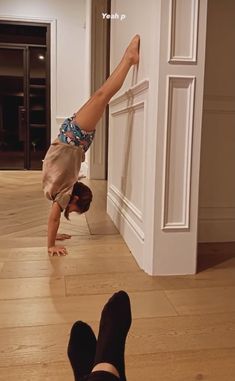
column 24, row 94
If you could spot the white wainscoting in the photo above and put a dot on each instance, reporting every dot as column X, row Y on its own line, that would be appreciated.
column 127, row 166
column 178, row 153
column 183, row 36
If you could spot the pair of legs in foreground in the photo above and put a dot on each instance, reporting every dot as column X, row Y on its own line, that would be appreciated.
column 102, row 359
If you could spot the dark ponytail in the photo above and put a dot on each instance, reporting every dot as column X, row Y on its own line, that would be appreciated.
column 85, row 197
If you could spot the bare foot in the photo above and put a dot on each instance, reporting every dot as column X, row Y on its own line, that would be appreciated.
column 132, row 51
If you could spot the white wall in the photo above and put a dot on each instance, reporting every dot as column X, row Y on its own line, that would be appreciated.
column 217, row 180
column 69, row 54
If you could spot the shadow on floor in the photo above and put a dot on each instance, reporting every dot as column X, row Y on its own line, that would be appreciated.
column 214, row 254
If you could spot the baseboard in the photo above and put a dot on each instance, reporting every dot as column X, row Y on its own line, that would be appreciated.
column 216, row 230
column 127, row 228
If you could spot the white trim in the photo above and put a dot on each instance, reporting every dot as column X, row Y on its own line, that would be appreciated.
column 129, row 109
column 192, row 57
column 60, row 119
column 53, row 55
column 128, row 97
column 131, row 92
column 127, row 230
column 87, row 163
column 127, row 217
column 123, row 199
column 124, row 110
column 185, row 223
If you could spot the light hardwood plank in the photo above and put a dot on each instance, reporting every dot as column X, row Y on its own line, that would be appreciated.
column 110, row 282
column 181, row 333
column 209, row 365
column 216, row 277
column 46, row 311
column 203, row 301
column 81, row 241
column 58, row 371
column 27, row 254
column 68, row 266
column 31, row 288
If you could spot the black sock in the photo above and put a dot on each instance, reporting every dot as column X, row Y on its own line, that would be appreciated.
column 114, row 326
column 81, row 349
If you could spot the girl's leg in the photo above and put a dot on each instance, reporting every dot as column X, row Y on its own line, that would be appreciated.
column 90, row 113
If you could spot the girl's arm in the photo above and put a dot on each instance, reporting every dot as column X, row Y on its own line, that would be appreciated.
column 53, row 226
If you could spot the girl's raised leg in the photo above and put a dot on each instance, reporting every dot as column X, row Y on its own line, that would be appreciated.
column 89, row 114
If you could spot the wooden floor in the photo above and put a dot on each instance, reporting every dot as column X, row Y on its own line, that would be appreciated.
column 183, row 327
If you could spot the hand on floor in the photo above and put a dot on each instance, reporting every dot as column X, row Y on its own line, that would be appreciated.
column 62, row 237
column 57, row 251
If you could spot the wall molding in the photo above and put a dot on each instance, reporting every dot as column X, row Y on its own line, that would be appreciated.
column 126, row 209
column 184, row 222
column 216, row 97
column 122, row 199
column 218, row 112
column 218, row 213
column 131, row 93
column 133, row 107
column 136, row 229
column 173, row 57
column 60, row 119
column 216, row 224
column 127, row 99
column 131, row 233
column 219, row 104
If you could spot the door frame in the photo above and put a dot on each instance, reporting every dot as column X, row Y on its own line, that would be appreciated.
column 99, row 71
column 52, row 96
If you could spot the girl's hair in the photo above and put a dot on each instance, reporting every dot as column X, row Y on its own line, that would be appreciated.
column 85, row 198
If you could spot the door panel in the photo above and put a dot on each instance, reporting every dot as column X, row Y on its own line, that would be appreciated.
column 12, row 108
column 37, row 107
column 24, row 94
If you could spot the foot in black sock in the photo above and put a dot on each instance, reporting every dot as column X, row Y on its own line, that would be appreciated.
column 114, row 326
column 81, row 349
